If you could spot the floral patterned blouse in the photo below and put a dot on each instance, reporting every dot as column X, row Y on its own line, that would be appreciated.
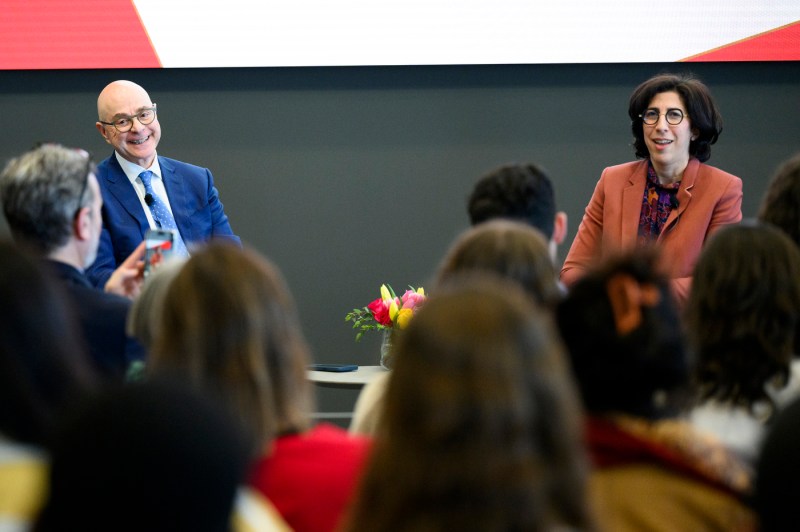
column 657, row 203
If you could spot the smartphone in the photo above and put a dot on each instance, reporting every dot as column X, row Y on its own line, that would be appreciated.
column 157, row 248
column 338, row 368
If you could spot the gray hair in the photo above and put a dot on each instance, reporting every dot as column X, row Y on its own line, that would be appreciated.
column 41, row 190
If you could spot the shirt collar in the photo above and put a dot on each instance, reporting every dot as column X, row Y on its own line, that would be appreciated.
column 132, row 170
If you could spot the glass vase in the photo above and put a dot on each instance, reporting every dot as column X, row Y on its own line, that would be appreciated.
column 387, row 353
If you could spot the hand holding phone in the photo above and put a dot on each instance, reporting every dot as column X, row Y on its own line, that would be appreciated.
column 158, row 247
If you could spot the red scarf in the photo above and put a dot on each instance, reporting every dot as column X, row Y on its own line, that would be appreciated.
column 671, row 444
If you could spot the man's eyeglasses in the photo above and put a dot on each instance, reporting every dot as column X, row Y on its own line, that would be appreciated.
column 124, row 123
column 651, row 116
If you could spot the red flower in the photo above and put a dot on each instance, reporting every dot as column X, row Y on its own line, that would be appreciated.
column 380, row 312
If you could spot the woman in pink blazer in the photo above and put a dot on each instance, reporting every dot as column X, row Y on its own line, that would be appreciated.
column 670, row 198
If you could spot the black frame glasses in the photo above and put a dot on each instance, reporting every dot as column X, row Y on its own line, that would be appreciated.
column 124, row 123
column 673, row 116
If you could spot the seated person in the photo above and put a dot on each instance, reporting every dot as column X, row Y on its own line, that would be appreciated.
column 780, row 205
column 507, row 248
column 520, row 192
column 230, row 328
column 742, row 317
column 481, row 426
column 155, row 456
column 42, row 370
column 52, row 202
column 143, row 189
column 652, row 469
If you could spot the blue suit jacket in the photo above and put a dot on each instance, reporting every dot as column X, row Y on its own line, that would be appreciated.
column 192, row 196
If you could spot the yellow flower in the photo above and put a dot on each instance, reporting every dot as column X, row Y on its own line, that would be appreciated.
column 385, row 294
column 404, row 317
column 421, row 291
column 393, row 310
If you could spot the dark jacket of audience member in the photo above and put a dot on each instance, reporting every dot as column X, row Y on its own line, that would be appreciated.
column 42, row 370
column 151, row 456
column 52, row 203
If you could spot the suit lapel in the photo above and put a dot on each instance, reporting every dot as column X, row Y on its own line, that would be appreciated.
column 632, row 196
column 120, row 188
column 178, row 198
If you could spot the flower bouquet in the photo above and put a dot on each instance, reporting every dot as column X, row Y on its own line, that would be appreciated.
column 387, row 313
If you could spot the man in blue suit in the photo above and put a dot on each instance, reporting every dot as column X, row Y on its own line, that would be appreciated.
column 128, row 120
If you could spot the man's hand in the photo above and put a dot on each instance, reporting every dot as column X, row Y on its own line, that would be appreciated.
column 127, row 280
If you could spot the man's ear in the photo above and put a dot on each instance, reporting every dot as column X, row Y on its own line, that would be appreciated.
column 82, row 224
column 102, row 129
column 559, row 227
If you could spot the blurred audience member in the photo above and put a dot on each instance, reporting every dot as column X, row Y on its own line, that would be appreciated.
column 743, row 316
column 149, row 456
column 145, row 316
column 521, row 192
column 777, row 472
column 482, row 429
column 780, row 205
column 652, row 470
column 510, row 249
column 52, row 202
column 42, row 369
column 230, row 328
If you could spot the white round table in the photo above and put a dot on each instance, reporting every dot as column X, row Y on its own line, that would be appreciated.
column 345, row 379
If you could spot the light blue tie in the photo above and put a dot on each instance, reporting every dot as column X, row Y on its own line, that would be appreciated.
column 161, row 214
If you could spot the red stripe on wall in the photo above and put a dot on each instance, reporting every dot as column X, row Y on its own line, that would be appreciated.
column 58, row 34
column 781, row 44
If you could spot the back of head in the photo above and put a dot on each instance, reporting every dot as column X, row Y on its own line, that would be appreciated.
column 508, row 249
column 481, row 427
column 517, row 192
column 42, row 365
column 743, row 312
column 230, row 327
column 41, row 191
column 781, row 203
column 623, row 334
column 148, row 456
column 145, row 316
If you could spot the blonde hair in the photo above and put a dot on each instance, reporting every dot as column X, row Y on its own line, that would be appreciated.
column 230, row 326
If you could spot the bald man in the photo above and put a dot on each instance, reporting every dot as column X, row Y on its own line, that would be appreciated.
column 142, row 190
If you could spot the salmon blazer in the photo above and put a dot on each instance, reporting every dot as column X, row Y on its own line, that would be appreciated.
column 708, row 198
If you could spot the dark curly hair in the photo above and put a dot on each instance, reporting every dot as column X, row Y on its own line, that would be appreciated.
column 700, row 107
column 645, row 372
column 520, row 192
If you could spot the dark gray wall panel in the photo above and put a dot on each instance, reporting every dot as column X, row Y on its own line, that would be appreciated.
column 350, row 177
